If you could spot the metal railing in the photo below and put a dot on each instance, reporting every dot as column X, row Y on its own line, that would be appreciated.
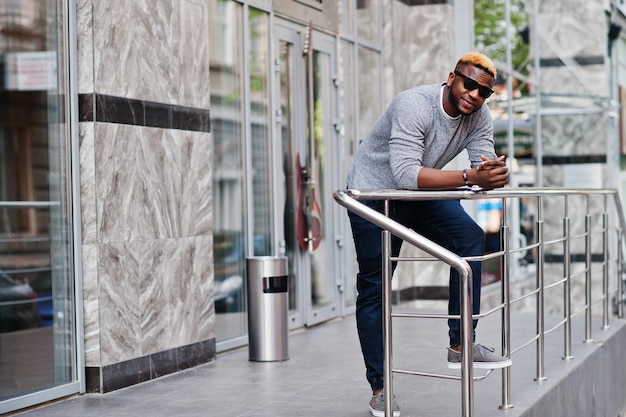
column 610, row 258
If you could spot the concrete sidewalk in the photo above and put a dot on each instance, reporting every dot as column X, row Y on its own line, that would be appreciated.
column 325, row 376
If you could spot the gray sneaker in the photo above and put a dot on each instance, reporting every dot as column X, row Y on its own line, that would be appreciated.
column 483, row 357
column 377, row 406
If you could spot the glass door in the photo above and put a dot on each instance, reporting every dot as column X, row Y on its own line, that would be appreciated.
column 38, row 339
column 305, row 119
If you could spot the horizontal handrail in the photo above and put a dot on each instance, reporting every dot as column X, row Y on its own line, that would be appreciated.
column 401, row 231
column 476, row 193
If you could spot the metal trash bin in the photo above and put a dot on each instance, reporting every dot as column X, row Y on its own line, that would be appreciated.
column 267, row 279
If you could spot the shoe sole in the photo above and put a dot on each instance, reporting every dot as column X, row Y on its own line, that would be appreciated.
column 377, row 413
column 483, row 365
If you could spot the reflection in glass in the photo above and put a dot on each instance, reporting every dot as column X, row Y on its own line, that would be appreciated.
column 346, row 16
column 322, row 283
column 37, row 344
column 369, row 93
column 368, row 23
column 260, row 144
column 288, row 166
column 227, row 117
column 349, row 142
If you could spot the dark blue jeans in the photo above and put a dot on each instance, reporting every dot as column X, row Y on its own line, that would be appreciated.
column 444, row 222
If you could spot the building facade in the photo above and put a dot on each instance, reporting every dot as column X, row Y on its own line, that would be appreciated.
column 149, row 147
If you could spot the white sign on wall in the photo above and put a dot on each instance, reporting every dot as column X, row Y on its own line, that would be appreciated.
column 30, row 71
column 582, row 176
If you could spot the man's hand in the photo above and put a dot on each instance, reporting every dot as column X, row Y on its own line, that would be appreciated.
column 489, row 163
column 490, row 174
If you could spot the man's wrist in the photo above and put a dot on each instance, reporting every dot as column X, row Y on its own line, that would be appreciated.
column 466, row 178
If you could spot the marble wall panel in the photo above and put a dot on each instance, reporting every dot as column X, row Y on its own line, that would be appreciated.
column 87, row 183
column 84, row 46
column 135, row 46
column 575, row 79
column 422, row 39
column 146, row 192
column 91, row 304
column 125, row 210
column 553, row 176
column 159, row 259
column 193, row 82
column 196, row 203
column 138, row 50
column 120, row 301
column 154, row 296
column 192, row 302
column 570, row 135
column 571, row 28
column 388, row 51
column 148, row 180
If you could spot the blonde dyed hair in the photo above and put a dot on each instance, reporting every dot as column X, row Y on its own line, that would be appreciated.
column 478, row 60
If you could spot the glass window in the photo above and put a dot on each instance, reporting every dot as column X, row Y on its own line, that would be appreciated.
column 229, row 99
column 349, row 140
column 37, row 316
column 322, row 289
column 346, row 16
column 368, row 23
column 287, row 145
column 349, row 134
column 369, row 91
column 260, row 138
column 362, row 95
column 227, row 118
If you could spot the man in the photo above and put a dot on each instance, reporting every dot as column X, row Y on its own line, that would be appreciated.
column 422, row 130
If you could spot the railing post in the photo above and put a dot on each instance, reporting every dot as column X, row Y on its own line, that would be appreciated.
column 588, row 337
column 387, row 335
column 506, row 310
column 605, row 267
column 540, row 293
column 467, row 372
column 620, row 276
column 567, row 288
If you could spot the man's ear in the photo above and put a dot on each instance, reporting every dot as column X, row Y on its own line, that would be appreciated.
column 450, row 79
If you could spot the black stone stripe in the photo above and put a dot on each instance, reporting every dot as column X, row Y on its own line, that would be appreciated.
column 134, row 371
column 574, row 257
column 580, row 60
column 432, row 292
column 574, row 159
column 128, row 111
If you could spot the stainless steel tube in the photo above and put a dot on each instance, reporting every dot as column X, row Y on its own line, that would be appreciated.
column 588, row 301
column 387, row 335
column 567, row 289
column 605, row 268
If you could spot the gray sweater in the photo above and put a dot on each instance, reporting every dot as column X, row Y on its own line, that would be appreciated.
column 415, row 132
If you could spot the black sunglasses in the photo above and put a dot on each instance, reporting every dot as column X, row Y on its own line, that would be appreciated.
column 471, row 85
